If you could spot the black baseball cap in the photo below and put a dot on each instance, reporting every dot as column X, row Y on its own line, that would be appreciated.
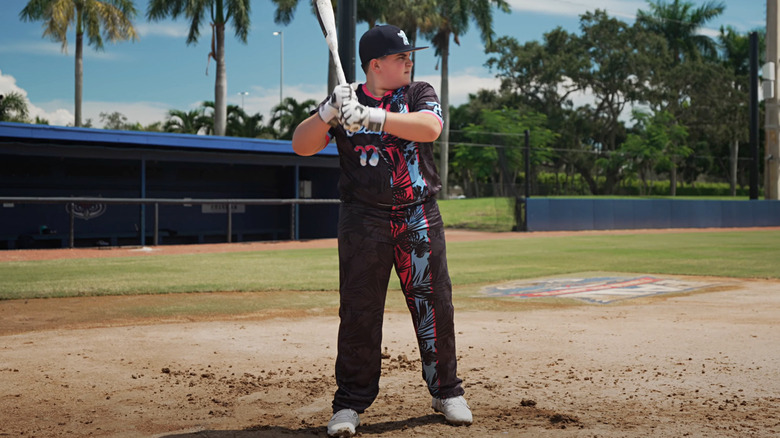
column 383, row 40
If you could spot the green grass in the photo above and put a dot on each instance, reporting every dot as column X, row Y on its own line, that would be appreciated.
column 743, row 254
column 485, row 214
column 242, row 271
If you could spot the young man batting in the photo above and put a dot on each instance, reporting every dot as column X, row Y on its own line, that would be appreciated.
column 384, row 130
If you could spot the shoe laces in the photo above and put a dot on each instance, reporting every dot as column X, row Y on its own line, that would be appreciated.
column 344, row 415
column 455, row 401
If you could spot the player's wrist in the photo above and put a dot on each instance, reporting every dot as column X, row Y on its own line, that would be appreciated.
column 328, row 113
column 375, row 122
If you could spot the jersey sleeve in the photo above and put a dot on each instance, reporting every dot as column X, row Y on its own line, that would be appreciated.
column 425, row 99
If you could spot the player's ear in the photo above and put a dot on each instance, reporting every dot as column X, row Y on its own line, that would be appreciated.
column 373, row 65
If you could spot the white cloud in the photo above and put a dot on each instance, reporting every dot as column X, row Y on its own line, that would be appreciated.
column 36, row 48
column 262, row 100
column 712, row 33
column 53, row 48
column 56, row 115
column 462, row 84
column 165, row 29
column 259, row 100
column 623, row 9
column 60, row 112
column 573, row 8
column 8, row 85
column 142, row 112
column 54, row 112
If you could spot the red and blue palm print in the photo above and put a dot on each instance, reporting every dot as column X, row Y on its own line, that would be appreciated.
column 409, row 228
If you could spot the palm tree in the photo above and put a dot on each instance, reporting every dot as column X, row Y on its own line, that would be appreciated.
column 736, row 49
column 221, row 11
column 241, row 124
column 289, row 114
column 411, row 16
column 678, row 22
column 186, row 122
column 453, row 20
column 113, row 17
column 13, row 108
column 736, row 57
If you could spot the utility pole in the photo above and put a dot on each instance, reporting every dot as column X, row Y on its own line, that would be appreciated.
column 772, row 127
column 345, row 24
column 754, row 167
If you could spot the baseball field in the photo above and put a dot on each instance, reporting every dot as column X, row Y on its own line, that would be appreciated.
column 663, row 333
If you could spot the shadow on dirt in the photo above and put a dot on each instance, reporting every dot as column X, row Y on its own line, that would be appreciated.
column 263, row 431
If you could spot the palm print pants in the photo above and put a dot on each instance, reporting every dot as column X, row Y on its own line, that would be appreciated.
column 371, row 242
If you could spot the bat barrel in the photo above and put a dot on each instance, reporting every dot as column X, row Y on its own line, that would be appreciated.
column 327, row 20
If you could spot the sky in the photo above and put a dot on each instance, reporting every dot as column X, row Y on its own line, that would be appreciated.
column 159, row 72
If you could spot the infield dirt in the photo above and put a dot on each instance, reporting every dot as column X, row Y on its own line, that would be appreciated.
column 702, row 364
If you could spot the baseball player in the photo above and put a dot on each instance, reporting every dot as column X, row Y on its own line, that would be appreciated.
column 384, row 130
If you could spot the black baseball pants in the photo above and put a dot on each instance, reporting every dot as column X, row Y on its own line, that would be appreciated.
column 371, row 242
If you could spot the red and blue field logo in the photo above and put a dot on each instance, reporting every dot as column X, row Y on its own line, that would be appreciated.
column 600, row 290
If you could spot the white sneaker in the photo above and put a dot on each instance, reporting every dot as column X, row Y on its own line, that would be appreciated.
column 343, row 423
column 456, row 411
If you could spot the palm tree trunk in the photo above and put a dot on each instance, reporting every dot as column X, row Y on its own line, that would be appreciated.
column 733, row 157
column 445, row 111
column 413, row 41
column 673, row 180
column 79, row 75
column 220, row 88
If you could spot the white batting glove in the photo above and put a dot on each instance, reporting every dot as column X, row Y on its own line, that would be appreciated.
column 355, row 116
column 329, row 110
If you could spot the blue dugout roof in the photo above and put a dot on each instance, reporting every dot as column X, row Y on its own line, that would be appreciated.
column 48, row 134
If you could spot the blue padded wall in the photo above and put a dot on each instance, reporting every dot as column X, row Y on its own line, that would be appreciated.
column 553, row 214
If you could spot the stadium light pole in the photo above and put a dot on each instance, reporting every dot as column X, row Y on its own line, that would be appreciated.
column 243, row 93
column 281, row 64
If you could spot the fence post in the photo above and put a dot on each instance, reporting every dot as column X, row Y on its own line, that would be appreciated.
column 527, row 163
column 156, row 240
column 292, row 220
column 72, row 214
column 142, row 209
column 295, row 208
column 230, row 223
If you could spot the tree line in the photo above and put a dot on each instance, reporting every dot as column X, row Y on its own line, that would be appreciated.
column 665, row 102
column 663, row 99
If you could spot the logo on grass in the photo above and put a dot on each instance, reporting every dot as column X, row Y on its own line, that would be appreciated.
column 599, row 290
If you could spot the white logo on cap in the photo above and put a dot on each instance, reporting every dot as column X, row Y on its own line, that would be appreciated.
column 403, row 35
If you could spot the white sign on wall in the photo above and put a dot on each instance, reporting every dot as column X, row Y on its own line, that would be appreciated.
column 222, row 208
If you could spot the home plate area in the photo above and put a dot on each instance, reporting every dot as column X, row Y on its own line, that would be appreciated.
column 597, row 289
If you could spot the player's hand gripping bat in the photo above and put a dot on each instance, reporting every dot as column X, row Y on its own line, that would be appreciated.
column 328, row 24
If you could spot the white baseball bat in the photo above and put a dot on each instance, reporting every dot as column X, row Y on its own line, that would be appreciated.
column 328, row 24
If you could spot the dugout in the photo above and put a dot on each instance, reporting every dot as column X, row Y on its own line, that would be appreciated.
column 40, row 161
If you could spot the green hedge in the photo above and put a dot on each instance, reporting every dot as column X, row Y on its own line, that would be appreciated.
column 548, row 185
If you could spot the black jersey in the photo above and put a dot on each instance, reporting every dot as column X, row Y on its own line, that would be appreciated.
column 382, row 170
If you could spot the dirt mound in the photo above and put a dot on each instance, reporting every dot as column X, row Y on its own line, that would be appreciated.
column 698, row 365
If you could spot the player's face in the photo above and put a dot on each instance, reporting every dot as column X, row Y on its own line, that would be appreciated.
column 397, row 69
